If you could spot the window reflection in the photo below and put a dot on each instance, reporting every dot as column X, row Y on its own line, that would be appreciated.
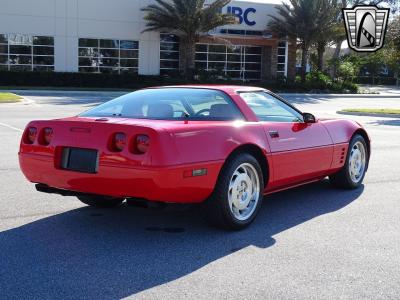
column 169, row 54
column 108, row 56
column 237, row 62
column 22, row 52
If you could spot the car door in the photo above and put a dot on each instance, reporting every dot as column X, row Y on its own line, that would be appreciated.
column 300, row 151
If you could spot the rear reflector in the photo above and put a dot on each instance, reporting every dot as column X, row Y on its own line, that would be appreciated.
column 142, row 142
column 30, row 135
column 119, row 141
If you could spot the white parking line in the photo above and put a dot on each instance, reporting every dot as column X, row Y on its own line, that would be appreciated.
column 11, row 127
column 28, row 101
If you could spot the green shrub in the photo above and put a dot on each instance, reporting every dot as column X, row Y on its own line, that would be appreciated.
column 344, row 87
column 212, row 76
column 347, row 70
column 318, row 81
column 350, row 87
column 86, row 80
column 297, row 79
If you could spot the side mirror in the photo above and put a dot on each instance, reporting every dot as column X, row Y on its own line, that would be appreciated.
column 309, row 118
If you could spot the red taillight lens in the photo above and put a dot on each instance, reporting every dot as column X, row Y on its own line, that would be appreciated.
column 47, row 135
column 142, row 143
column 119, row 141
column 31, row 135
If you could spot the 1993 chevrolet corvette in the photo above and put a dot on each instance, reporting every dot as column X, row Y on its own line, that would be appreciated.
column 223, row 146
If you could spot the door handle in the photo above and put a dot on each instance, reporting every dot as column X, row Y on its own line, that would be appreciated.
column 273, row 133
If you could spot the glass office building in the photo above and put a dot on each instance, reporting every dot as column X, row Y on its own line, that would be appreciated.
column 100, row 36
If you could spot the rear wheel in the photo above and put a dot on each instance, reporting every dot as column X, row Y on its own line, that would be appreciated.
column 101, row 201
column 238, row 194
column 353, row 172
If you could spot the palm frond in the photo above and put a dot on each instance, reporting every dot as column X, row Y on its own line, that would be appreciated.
column 187, row 17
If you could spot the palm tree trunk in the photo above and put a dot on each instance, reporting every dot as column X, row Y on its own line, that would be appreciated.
column 189, row 45
column 304, row 56
column 320, row 53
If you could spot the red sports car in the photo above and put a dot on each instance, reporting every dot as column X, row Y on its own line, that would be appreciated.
column 225, row 146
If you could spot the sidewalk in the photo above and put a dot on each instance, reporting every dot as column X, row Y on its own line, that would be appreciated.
column 376, row 91
column 382, row 89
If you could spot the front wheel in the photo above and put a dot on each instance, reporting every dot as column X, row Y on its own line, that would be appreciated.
column 101, row 201
column 238, row 194
column 353, row 172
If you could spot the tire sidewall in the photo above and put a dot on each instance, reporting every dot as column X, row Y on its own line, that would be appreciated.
column 227, row 175
column 355, row 139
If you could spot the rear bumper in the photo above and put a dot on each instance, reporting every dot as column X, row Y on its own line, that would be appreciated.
column 166, row 184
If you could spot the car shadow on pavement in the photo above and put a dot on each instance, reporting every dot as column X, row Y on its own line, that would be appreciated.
column 91, row 253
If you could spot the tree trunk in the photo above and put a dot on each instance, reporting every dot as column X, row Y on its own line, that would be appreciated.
column 396, row 75
column 335, row 58
column 320, row 53
column 304, row 56
column 189, row 45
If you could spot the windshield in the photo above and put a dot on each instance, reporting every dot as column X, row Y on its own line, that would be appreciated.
column 170, row 104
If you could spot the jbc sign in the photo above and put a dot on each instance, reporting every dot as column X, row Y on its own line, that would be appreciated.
column 244, row 15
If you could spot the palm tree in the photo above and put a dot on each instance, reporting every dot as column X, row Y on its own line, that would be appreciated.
column 187, row 19
column 304, row 20
column 328, row 31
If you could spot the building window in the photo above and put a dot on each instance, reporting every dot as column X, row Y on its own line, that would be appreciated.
column 108, row 56
column 169, row 54
column 22, row 52
column 282, row 59
column 237, row 62
column 239, row 32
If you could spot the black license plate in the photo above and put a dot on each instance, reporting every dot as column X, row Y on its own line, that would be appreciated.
column 79, row 160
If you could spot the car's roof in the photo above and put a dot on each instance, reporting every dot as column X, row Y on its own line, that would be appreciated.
column 229, row 89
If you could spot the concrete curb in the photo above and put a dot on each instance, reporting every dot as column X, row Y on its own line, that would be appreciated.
column 368, row 114
column 381, row 95
column 27, row 101
column 63, row 92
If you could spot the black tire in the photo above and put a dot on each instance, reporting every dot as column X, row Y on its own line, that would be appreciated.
column 101, row 201
column 217, row 210
column 342, row 179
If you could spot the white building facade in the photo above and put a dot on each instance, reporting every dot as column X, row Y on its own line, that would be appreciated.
column 107, row 36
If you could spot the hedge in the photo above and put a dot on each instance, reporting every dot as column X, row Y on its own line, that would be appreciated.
column 134, row 81
column 85, row 80
column 377, row 80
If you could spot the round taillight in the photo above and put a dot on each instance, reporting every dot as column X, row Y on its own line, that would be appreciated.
column 142, row 142
column 47, row 135
column 119, row 141
column 31, row 135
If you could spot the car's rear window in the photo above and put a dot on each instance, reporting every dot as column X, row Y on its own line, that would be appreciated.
column 170, row 104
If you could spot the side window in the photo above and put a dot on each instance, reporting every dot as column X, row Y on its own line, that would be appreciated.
column 212, row 106
column 268, row 108
column 170, row 109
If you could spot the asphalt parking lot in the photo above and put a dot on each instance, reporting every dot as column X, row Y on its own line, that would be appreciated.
column 312, row 242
